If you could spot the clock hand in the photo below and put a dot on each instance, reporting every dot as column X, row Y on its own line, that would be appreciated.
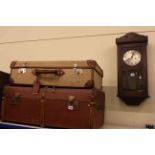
column 129, row 57
column 132, row 55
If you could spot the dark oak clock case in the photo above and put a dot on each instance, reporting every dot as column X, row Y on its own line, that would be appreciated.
column 132, row 79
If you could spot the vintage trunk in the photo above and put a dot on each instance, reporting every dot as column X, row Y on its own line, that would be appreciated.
column 54, row 107
column 81, row 74
column 20, row 105
column 74, row 108
column 4, row 80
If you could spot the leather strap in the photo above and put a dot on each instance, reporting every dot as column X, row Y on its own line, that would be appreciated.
column 43, row 98
column 92, row 117
column 36, row 86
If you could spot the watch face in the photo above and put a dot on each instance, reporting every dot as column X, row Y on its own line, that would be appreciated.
column 132, row 57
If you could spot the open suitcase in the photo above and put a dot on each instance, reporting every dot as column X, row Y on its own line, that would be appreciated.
column 77, row 74
column 54, row 107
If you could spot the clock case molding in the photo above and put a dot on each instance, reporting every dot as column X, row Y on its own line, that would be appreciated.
column 134, row 91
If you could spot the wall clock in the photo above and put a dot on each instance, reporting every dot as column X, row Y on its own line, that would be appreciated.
column 132, row 68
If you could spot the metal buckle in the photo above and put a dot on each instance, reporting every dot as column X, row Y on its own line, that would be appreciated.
column 72, row 104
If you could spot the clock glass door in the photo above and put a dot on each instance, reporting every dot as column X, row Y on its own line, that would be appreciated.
column 132, row 80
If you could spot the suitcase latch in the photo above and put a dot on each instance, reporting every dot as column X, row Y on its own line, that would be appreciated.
column 23, row 69
column 73, row 104
column 76, row 70
column 15, row 99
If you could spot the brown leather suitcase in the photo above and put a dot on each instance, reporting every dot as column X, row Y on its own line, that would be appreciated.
column 4, row 80
column 74, row 108
column 81, row 74
column 20, row 105
column 60, row 107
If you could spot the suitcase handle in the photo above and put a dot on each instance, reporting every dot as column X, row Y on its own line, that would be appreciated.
column 37, row 72
column 57, row 72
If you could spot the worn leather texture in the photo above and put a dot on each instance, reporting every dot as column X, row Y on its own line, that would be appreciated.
column 54, row 107
column 21, row 105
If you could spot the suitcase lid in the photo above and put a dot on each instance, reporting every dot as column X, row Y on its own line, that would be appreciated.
column 88, row 64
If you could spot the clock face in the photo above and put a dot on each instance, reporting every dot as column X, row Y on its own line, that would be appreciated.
column 132, row 57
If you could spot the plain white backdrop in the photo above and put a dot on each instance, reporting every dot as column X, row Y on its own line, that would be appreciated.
column 69, row 141
column 77, row 12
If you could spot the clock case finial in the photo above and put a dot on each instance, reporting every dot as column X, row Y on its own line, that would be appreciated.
column 132, row 37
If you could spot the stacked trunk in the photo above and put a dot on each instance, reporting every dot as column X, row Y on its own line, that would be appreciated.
column 63, row 94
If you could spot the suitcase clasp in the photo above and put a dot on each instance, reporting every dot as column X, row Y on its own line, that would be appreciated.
column 23, row 69
column 73, row 104
column 15, row 98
